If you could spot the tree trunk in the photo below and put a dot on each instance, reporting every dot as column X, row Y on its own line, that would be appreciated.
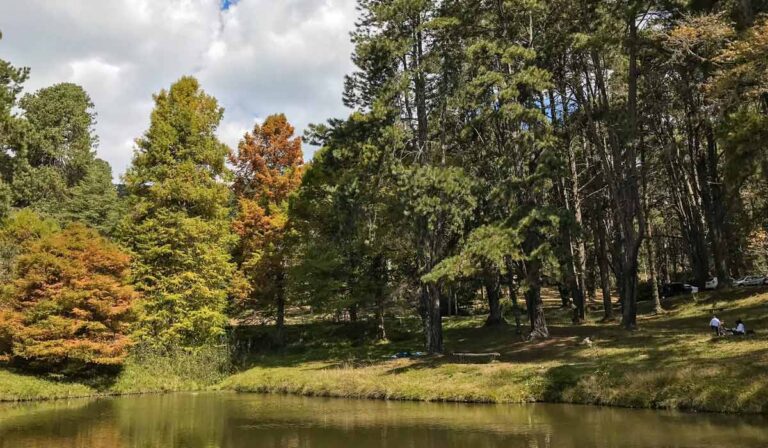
column 651, row 252
column 579, row 246
column 513, row 293
column 534, row 305
column 493, row 293
column 381, row 330
column 715, row 205
column 433, row 326
column 629, row 293
column 280, row 324
column 605, row 271
column 380, row 267
column 627, row 201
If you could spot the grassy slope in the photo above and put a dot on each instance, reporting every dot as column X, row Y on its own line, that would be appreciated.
column 672, row 361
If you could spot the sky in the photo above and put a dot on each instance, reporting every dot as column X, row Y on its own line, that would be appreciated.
column 257, row 57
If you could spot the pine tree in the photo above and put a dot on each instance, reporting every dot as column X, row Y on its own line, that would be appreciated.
column 94, row 201
column 53, row 167
column 11, row 83
column 178, row 224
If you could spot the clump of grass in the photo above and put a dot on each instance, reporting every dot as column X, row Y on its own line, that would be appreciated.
column 175, row 369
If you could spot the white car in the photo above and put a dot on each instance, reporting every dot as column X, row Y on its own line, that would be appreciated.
column 711, row 283
column 750, row 280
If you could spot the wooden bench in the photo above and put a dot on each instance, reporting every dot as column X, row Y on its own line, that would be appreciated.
column 476, row 357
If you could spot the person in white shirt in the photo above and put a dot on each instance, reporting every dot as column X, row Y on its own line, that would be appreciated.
column 740, row 328
column 714, row 324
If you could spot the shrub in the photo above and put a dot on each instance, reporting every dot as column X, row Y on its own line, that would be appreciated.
column 70, row 302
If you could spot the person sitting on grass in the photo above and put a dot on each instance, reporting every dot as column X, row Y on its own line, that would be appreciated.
column 740, row 329
column 714, row 324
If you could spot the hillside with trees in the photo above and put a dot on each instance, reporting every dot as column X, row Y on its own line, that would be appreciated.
column 495, row 152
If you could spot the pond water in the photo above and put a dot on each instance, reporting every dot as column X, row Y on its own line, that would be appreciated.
column 210, row 420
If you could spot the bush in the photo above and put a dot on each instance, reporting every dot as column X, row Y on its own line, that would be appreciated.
column 70, row 303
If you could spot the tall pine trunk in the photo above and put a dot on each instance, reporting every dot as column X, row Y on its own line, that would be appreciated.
column 578, row 245
column 433, row 326
column 605, row 269
column 627, row 201
column 715, row 205
column 533, row 302
column 512, row 286
column 492, row 282
column 652, row 272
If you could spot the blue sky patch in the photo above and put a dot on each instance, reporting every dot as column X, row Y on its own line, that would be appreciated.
column 225, row 4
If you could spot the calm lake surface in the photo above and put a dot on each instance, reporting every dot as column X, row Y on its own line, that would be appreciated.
column 209, row 420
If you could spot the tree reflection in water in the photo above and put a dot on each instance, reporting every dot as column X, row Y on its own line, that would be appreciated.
column 229, row 420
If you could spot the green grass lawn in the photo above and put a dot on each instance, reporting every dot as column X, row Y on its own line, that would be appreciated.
column 672, row 361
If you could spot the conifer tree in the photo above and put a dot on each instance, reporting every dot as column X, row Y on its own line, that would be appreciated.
column 178, row 224
column 267, row 167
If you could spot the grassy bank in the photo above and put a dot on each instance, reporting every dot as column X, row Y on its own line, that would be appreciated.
column 671, row 362
column 143, row 373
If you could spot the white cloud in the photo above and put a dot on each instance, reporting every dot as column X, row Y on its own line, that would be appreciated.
column 257, row 57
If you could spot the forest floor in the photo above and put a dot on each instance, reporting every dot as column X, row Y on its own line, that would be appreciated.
column 671, row 361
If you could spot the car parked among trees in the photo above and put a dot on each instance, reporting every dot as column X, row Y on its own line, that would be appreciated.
column 750, row 280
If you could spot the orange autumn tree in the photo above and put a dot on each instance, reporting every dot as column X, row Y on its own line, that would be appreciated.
column 267, row 167
column 70, row 302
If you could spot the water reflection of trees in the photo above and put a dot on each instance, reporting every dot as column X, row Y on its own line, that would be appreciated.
column 234, row 421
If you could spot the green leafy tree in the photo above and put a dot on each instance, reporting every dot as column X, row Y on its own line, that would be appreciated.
column 438, row 202
column 178, row 223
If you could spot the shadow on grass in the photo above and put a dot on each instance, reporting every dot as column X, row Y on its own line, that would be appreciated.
column 97, row 379
column 661, row 340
